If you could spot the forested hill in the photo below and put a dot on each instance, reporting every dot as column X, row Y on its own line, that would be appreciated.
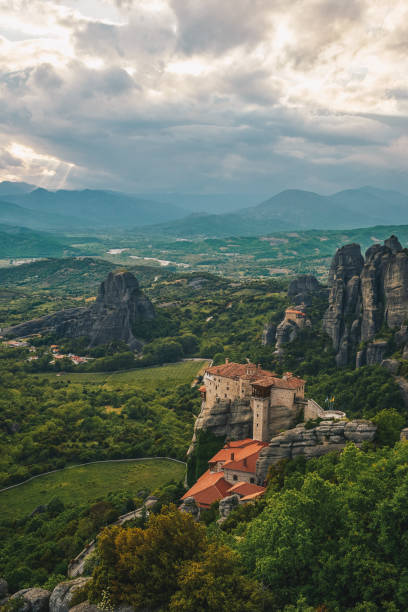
column 21, row 242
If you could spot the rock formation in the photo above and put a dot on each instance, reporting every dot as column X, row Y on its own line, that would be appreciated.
column 3, row 589
column 302, row 289
column 231, row 419
column 32, row 600
column 63, row 593
column 114, row 315
column 268, row 334
column 226, row 506
column 189, row 506
column 300, row 441
column 301, row 292
column 364, row 296
column 286, row 332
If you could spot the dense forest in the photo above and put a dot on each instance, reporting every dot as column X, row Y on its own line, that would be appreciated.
column 319, row 540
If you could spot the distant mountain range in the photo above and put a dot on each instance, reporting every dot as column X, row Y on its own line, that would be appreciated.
column 299, row 210
column 64, row 210
column 75, row 210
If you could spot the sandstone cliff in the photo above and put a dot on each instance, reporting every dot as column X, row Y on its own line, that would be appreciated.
column 326, row 437
column 366, row 294
column 119, row 307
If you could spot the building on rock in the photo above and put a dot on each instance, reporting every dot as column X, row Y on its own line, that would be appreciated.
column 243, row 400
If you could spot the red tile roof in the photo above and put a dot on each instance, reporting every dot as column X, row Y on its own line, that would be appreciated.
column 238, row 370
column 245, row 488
column 252, row 496
column 280, row 383
column 259, row 377
column 210, row 487
column 245, row 458
column 230, row 447
column 294, row 311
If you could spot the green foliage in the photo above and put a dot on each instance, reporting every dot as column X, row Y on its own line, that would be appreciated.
column 172, row 565
column 389, row 424
column 360, row 393
column 47, row 423
column 335, row 533
column 36, row 547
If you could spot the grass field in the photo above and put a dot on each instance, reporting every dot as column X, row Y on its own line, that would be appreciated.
column 88, row 483
column 149, row 378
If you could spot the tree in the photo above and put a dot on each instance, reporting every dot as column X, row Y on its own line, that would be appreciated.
column 389, row 424
column 139, row 566
column 217, row 582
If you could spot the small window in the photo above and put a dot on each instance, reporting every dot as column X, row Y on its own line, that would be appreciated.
column 235, row 477
column 252, row 480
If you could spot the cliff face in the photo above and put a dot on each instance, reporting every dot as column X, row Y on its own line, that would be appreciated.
column 234, row 420
column 364, row 296
column 328, row 436
column 344, row 299
column 119, row 307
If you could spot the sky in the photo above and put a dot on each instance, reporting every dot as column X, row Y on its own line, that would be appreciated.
column 204, row 96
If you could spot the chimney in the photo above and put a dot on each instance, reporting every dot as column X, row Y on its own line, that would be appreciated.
column 226, row 360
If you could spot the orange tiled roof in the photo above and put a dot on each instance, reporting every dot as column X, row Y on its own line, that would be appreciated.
column 210, row 487
column 252, row 496
column 280, row 383
column 246, row 488
column 225, row 453
column 245, row 458
column 294, row 311
column 238, row 370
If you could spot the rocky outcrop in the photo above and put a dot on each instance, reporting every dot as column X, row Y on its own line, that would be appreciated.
column 32, row 600
column 226, row 506
column 312, row 442
column 302, row 289
column 118, row 309
column 364, row 296
column 285, row 332
column 190, row 507
column 231, row 419
column 344, row 300
column 268, row 334
column 63, row 593
column 234, row 420
column 391, row 365
column 3, row 589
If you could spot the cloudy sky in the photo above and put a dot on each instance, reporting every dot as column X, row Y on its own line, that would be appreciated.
column 204, row 96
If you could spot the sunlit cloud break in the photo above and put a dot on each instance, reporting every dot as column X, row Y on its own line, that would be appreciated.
column 164, row 95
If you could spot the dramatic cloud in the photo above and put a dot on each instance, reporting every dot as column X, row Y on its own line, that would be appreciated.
column 236, row 96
